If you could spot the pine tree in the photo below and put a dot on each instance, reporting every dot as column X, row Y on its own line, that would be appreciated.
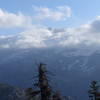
column 42, row 86
column 57, row 96
column 43, row 83
column 93, row 90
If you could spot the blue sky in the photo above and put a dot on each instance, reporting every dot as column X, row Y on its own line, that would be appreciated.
column 31, row 20
column 82, row 11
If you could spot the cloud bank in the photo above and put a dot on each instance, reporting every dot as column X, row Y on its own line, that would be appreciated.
column 87, row 35
column 11, row 20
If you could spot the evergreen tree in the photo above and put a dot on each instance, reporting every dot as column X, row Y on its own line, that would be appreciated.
column 57, row 96
column 43, row 83
column 43, row 88
column 93, row 90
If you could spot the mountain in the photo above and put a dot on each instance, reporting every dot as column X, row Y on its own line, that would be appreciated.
column 73, row 70
column 69, row 53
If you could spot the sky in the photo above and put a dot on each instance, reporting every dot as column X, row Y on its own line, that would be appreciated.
column 81, row 10
column 32, row 21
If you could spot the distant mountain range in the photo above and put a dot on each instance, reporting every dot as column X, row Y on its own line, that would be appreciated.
column 73, row 69
column 69, row 54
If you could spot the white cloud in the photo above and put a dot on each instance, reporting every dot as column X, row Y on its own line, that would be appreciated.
column 5, row 36
column 9, row 20
column 33, row 37
column 58, row 14
column 87, row 35
column 66, row 9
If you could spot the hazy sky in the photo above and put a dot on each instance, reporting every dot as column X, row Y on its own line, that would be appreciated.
column 51, row 13
column 31, row 20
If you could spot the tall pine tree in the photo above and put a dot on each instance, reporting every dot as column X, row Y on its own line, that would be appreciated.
column 93, row 90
